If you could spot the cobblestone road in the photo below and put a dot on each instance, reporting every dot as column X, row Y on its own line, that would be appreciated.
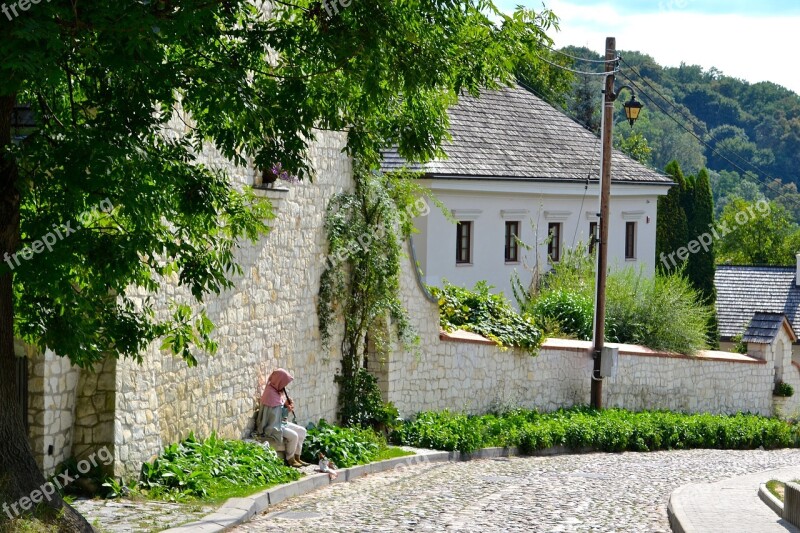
column 593, row 492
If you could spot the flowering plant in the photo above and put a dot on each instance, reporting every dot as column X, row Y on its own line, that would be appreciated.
column 276, row 173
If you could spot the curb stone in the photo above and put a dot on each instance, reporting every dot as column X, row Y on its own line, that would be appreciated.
column 239, row 510
column 772, row 502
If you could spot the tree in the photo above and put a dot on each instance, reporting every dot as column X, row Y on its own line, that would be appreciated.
column 106, row 80
column 672, row 228
column 585, row 105
column 635, row 145
column 756, row 233
column 700, row 265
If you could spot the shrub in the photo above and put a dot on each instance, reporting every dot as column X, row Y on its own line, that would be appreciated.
column 663, row 312
column 212, row 468
column 612, row 430
column 486, row 314
column 364, row 406
column 344, row 446
column 783, row 389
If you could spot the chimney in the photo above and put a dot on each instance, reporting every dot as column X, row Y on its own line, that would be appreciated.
column 797, row 271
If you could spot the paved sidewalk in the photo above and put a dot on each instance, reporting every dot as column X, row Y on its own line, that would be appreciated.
column 731, row 505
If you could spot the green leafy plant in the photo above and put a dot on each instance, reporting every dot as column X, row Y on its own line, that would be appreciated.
column 345, row 446
column 610, row 430
column 361, row 281
column 365, row 407
column 486, row 314
column 662, row 312
column 739, row 346
column 212, row 469
column 783, row 389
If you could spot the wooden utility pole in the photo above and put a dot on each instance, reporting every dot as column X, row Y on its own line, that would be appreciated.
column 605, row 196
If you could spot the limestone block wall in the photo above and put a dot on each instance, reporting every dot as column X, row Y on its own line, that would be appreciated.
column 51, row 406
column 790, row 407
column 94, row 409
column 690, row 384
column 267, row 321
column 462, row 372
column 467, row 373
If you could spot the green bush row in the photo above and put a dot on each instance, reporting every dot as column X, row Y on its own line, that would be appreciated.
column 612, row 430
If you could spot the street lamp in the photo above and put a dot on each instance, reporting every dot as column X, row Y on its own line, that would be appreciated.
column 632, row 109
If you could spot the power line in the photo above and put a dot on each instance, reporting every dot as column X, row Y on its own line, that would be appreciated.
column 766, row 184
column 582, row 72
column 695, row 123
column 581, row 58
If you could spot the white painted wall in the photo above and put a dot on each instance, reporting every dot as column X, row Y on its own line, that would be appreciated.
column 490, row 203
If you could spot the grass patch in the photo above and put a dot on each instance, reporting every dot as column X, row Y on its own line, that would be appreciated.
column 611, row 430
column 392, row 452
column 776, row 488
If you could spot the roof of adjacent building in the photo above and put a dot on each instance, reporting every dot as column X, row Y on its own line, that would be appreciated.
column 511, row 133
column 743, row 291
column 764, row 327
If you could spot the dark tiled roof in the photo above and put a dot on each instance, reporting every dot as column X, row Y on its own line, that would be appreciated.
column 513, row 134
column 764, row 328
column 743, row 291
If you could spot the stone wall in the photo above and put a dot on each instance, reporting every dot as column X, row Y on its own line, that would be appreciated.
column 94, row 409
column 267, row 321
column 52, row 382
column 462, row 371
column 465, row 372
column 714, row 382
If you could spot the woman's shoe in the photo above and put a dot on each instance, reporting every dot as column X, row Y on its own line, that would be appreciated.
column 293, row 462
column 299, row 460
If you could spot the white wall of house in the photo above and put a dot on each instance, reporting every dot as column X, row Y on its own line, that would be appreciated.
column 489, row 204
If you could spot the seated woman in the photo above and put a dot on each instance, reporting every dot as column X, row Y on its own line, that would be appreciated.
column 273, row 422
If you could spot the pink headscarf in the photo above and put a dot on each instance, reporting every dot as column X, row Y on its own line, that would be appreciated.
column 276, row 382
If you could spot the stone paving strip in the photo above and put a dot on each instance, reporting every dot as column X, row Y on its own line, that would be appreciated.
column 138, row 516
column 567, row 493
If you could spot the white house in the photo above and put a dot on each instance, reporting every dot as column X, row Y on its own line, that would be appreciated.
column 517, row 167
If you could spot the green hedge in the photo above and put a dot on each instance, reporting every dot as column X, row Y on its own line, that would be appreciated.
column 612, row 430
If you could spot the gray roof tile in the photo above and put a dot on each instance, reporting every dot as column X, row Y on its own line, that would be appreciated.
column 743, row 291
column 513, row 134
column 763, row 328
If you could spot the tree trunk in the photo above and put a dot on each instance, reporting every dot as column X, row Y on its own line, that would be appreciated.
column 19, row 475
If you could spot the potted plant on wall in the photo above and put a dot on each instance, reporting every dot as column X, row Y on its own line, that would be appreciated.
column 274, row 173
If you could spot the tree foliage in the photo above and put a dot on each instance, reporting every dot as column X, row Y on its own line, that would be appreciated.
column 702, row 118
column 126, row 95
column 759, row 233
column 672, row 227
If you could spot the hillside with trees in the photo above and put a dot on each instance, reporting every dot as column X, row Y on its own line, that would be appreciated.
column 746, row 134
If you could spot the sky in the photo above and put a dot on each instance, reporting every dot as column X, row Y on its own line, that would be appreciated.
column 755, row 40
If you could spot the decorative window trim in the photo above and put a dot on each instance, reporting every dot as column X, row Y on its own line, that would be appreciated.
column 466, row 214
column 557, row 216
column 592, row 216
column 514, row 214
column 632, row 215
